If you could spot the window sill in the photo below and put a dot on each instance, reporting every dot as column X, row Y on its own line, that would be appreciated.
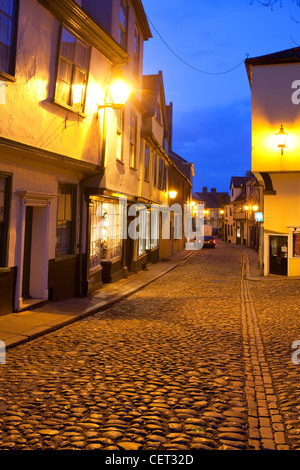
column 69, row 108
column 7, row 77
column 132, row 168
column 120, row 161
column 5, row 270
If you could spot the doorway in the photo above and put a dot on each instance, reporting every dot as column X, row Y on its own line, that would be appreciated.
column 278, row 254
column 27, row 253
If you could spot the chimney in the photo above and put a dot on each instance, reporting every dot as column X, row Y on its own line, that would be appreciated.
column 204, row 190
column 213, row 190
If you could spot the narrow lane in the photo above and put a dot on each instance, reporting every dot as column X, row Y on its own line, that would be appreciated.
column 167, row 368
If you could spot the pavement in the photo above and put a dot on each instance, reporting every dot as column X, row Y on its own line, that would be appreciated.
column 19, row 327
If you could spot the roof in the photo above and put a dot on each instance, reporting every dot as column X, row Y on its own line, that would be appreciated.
column 239, row 181
column 152, row 87
column 212, row 200
column 187, row 168
column 287, row 56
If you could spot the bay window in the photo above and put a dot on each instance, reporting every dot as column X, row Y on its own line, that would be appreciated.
column 106, row 224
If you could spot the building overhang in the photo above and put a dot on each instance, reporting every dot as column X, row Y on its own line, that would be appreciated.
column 86, row 28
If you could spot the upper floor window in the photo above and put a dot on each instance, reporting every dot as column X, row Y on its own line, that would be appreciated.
column 123, row 24
column 162, row 175
column 119, row 145
column 146, row 163
column 5, row 182
column 136, row 52
column 133, row 141
column 72, row 73
column 8, row 22
column 155, row 169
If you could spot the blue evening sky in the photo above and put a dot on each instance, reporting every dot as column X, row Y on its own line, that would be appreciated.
column 212, row 113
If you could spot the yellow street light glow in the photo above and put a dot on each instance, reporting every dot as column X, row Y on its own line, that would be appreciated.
column 221, row 211
column 255, row 208
column 246, row 208
column 172, row 194
column 120, row 91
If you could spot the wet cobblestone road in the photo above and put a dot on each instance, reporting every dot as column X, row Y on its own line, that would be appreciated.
column 199, row 359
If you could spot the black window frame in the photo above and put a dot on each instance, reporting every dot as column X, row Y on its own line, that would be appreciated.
column 9, row 74
column 123, row 28
column 4, row 225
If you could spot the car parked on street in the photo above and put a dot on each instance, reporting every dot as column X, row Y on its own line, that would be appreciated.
column 209, row 242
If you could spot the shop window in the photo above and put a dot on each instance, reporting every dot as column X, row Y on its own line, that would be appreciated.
column 72, row 73
column 66, row 220
column 5, row 183
column 143, row 230
column 152, row 229
column 106, row 222
column 296, row 244
column 8, row 30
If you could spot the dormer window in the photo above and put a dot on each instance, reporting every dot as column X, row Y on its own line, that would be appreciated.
column 123, row 24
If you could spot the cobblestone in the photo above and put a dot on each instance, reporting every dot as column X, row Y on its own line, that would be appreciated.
column 199, row 359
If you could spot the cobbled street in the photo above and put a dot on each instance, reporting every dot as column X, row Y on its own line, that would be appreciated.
column 199, row 359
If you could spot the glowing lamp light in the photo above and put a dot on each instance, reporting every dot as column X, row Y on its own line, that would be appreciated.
column 246, row 208
column 119, row 91
column 221, row 211
column 281, row 138
column 255, row 208
column 172, row 194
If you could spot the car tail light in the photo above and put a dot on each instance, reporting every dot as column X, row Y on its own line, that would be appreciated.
column 214, row 241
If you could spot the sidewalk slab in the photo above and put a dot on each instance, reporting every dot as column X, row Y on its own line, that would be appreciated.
column 19, row 327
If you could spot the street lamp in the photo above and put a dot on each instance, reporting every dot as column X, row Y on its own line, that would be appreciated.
column 255, row 208
column 172, row 194
column 281, row 137
column 119, row 93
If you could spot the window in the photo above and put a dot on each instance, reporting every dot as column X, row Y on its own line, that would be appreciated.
column 155, row 169
column 296, row 244
column 8, row 23
column 65, row 229
column 162, row 175
column 73, row 65
column 146, row 163
column 143, row 231
column 106, row 223
column 123, row 24
column 119, row 144
column 5, row 183
column 133, row 141
column 136, row 52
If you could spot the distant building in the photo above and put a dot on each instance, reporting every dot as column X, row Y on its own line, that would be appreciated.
column 213, row 206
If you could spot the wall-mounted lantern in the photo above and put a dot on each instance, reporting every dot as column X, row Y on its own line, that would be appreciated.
column 172, row 194
column 119, row 93
column 281, row 138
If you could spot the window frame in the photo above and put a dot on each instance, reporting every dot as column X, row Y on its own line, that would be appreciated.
column 6, row 218
column 74, row 68
column 147, row 163
column 133, row 141
column 123, row 28
column 72, row 188
column 119, row 134
column 10, row 73
column 136, row 51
